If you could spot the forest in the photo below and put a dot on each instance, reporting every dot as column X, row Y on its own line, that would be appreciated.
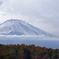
column 13, row 51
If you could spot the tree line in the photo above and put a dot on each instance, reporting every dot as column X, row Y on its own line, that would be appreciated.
column 27, row 52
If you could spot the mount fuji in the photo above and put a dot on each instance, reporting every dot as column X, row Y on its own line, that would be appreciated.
column 19, row 27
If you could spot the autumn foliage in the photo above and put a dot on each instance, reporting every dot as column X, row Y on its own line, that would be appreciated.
column 27, row 52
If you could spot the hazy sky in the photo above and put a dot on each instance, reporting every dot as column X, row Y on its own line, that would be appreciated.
column 43, row 14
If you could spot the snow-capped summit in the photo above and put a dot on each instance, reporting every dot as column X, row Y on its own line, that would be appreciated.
column 19, row 27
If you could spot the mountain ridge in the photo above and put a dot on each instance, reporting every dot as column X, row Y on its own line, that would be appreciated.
column 20, row 27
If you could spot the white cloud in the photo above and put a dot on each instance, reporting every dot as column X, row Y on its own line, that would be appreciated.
column 41, row 13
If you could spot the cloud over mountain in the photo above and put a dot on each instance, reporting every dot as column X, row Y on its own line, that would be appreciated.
column 44, row 12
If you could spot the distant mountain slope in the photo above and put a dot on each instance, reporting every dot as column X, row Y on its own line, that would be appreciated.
column 19, row 27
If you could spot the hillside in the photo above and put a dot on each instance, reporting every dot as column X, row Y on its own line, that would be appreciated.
column 27, row 52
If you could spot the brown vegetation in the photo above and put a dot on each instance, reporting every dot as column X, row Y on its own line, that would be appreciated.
column 27, row 52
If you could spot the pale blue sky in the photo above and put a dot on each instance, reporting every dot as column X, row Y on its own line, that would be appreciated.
column 43, row 14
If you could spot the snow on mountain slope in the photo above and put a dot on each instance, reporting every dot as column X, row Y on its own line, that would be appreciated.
column 19, row 27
